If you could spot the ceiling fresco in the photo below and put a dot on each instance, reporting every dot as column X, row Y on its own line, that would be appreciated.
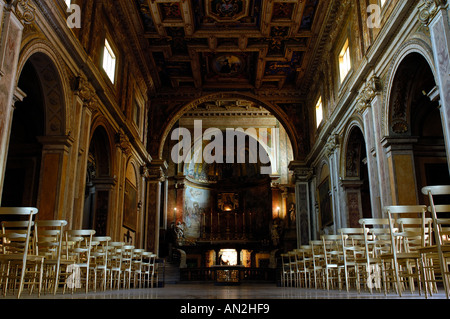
column 228, row 44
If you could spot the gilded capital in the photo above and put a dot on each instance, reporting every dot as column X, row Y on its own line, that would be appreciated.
column 23, row 9
column 366, row 96
column 429, row 8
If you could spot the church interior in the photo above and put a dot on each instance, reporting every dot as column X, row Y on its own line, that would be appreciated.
column 224, row 137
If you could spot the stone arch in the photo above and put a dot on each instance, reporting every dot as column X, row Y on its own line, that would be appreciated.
column 355, row 174
column 416, row 46
column 346, row 141
column 101, row 122
column 276, row 111
column 47, row 87
column 100, row 180
column 55, row 84
column 130, row 225
column 416, row 152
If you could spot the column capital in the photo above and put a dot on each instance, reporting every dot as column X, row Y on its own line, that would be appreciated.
column 19, row 96
column 331, row 145
column 157, row 170
column 428, row 9
column 23, row 9
column 123, row 142
column 55, row 142
column 368, row 93
column 86, row 92
column 302, row 172
column 398, row 144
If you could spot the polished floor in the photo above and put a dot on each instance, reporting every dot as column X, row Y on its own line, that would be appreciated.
column 206, row 300
column 260, row 291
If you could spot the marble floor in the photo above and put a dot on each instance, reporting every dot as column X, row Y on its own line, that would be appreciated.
column 206, row 300
column 260, row 291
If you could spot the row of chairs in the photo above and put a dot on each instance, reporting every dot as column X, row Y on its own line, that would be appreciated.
column 407, row 250
column 41, row 255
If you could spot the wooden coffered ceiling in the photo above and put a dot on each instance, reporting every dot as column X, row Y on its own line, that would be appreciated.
column 211, row 45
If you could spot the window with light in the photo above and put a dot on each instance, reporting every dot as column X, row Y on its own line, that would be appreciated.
column 319, row 112
column 109, row 61
column 344, row 61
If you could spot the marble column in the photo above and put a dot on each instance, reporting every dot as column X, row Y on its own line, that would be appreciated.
column 435, row 15
column 86, row 103
column 332, row 152
column 369, row 106
column 302, row 176
column 155, row 180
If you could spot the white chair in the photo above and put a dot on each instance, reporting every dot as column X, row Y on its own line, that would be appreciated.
column 377, row 241
column 99, row 260
column 440, row 250
column 127, row 265
column 286, row 272
column 115, row 264
column 81, row 253
column 137, row 267
column 318, row 262
column 149, row 268
column 18, row 257
column 333, row 260
column 48, row 240
column 354, row 256
column 405, row 244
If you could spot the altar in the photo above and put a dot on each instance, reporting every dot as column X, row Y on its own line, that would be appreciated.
column 228, row 275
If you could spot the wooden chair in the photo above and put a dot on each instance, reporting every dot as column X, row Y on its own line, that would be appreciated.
column 99, row 260
column 286, row 273
column 80, row 251
column 405, row 244
column 377, row 241
column 17, row 258
column 137, row 267
column 333, row 260
column 304, row 266
column 437, row 257
column 354, row 256
column 148, row 268
column 115, row 264
column 49, row 236
column 127, row 265
column 318, row 262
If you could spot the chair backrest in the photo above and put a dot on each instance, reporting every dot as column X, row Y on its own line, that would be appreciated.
column 317, row 252
column 127, row 256
column 17, row 230
column 378, row 236
column 49, row 237
column 101, row 250
column 403, row 239
column 83, row 243
column 439, row 212
column 353, row 242
column 332, row 248
column 115, row 254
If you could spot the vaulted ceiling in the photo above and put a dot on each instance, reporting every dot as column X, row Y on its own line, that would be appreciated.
column 210, row 45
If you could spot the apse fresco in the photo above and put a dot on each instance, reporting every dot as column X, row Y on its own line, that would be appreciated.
column 196, row 205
